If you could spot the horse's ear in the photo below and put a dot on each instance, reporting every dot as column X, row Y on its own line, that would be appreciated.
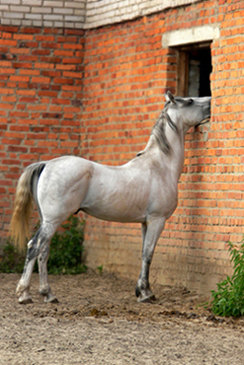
column 170, row 97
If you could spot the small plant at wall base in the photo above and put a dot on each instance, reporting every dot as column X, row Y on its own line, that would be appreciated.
column 65, row 252
column 11, row 261
column 67, row 248
column 228, row 300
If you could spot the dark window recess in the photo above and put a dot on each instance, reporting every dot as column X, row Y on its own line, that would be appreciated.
column 194, row 69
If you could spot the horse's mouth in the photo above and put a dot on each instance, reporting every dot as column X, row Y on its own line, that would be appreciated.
column 204, row 121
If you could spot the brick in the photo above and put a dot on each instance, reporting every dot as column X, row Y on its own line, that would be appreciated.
column 10, row 2
column 44, row 65
column 13, row 15
column 29, row 72
column 7, row 70
column 21, row 9
column 33, row 17
column 53, row 17
column 41, row 80
column 41, row 10
column 32, row 2
column 53, row 3
column 64, row 81
column 19, row 78
column 23, row 36
column 64, row 11
column 8, row 42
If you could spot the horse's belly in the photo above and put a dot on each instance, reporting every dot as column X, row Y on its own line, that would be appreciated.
column 123, row 218
column 121, row 209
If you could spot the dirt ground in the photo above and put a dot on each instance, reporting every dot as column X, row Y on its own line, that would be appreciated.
column 98, row 321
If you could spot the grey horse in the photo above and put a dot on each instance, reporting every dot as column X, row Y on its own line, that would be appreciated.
column 144, row 190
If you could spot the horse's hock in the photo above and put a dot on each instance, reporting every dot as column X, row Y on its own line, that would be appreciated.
column 88, row 79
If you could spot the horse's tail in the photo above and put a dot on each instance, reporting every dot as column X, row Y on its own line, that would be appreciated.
column 19, row 225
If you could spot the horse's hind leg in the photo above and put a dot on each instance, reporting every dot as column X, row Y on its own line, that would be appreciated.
column 34, row 248
column 23, row 286
column 45, row 289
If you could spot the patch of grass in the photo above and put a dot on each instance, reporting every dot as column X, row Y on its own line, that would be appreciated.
column 100, row 269
column 66, row 251
column 228, row 300
column 67, row 248
column 11, row 260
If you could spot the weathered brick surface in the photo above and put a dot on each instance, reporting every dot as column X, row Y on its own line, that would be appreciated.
column 100, row 13
column 78, row 13
column 98, row 95
column 45, row 13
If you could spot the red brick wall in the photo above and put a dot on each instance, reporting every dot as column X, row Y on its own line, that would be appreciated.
column 126, row 73
column 98, row 94
column 40, row 101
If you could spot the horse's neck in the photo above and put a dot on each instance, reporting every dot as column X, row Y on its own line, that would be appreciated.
column 176, row 154
column 174, row 159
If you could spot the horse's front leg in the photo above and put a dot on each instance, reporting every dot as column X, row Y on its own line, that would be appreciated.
column 151, row 231
column 45, row 289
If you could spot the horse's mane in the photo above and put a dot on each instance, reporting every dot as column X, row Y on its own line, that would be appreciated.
column 159, row 131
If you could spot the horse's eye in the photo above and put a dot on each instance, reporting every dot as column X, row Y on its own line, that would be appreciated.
column 190, row 101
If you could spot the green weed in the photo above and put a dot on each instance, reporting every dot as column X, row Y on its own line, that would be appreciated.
column 228, row 300
column 100, row 269
column 66, row 251
column 11, row 261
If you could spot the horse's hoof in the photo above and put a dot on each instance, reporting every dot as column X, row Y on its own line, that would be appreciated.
column 22, row 290
column 50, row 298
column 25, row 299
column 146, row 299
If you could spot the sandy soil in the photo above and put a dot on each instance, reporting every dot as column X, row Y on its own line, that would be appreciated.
column 98, row 321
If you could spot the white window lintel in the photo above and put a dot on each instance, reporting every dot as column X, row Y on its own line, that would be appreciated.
column 191, row 35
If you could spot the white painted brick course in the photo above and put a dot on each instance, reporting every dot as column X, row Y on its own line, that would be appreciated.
column 13, row 14
column 4, row 7
column 58, row 24
column 53, row 4
column 33, row 16
column 21, row 9
column 12, row 2
column 5, row 21
column 32, row 2
column 63, row 11
column 52, row 17
column 47, row 24
column 41, row 10
column 72, row 18
column 72, row 4
column 84, row 14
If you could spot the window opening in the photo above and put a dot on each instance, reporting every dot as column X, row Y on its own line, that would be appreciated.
column 194, row 69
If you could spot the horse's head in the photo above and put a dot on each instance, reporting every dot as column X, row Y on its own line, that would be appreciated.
column 187, row 112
